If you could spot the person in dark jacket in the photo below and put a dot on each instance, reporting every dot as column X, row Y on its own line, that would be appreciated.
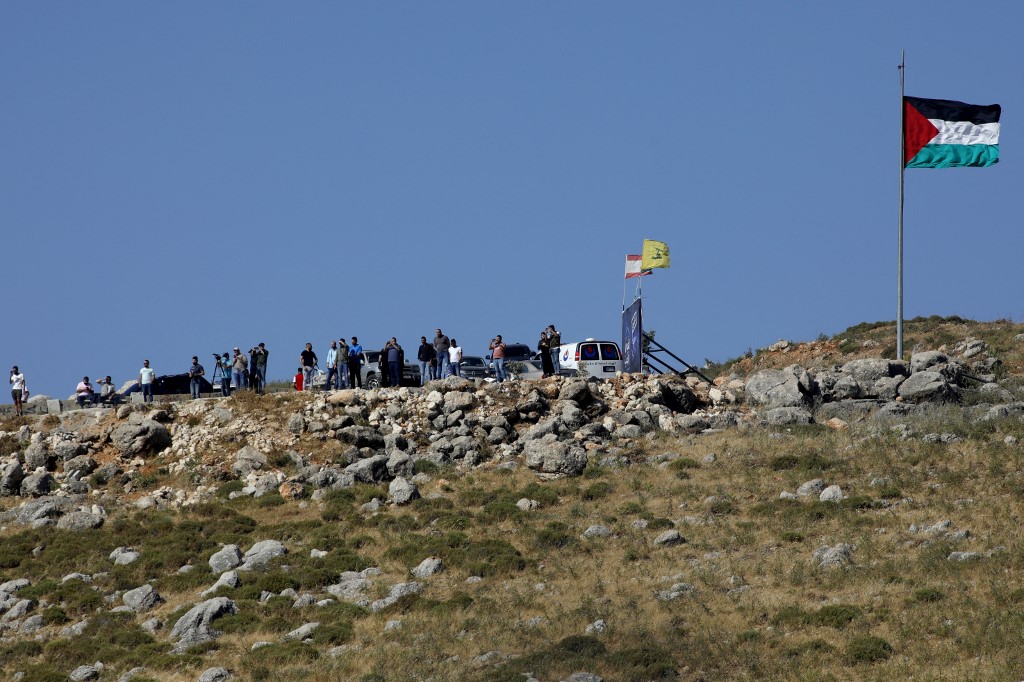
column 396, row 358
column 544, row 348
column 425, row 355
column 382, row 366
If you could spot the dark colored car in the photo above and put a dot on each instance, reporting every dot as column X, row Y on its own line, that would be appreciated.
column 176, row 384
column 410, row 372
column 474, row 367
column 514, row 352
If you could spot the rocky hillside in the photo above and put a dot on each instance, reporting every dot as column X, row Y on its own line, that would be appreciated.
column 843, row 513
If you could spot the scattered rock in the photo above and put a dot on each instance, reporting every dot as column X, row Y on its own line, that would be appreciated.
column 812, row 487
column 403, row 491
column 669, row 538
column 226, row 558
column 141, row 598
column 194, row 627
column 214, row 675
column 260, row 554
column 428, row 567
column 832, row 557
column 122, row 556
column 301, row 633
column 833, row 493
column 598, row 531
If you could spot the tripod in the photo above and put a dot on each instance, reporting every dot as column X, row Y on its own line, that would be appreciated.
column 217, row 367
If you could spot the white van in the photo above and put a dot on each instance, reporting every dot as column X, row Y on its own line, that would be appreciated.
column 600, row 359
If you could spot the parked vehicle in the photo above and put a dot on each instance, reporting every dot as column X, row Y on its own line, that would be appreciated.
column 172, row 384
column 599, row 359
column 525, row 369
column 474, row 367
column 514, row 352
column 371, row 377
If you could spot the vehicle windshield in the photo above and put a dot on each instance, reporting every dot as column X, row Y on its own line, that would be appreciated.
column 517, row 350
column 473, row 360
column 371, row 356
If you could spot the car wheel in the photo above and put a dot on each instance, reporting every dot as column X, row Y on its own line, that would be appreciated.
column 372, row 382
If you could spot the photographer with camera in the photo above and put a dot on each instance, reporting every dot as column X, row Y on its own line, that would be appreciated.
column 497, row 348
column 259, row 354
column 240, row 369
column 225, row 374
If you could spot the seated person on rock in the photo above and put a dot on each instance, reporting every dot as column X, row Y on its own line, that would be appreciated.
column 108, row 394
column 84, row 393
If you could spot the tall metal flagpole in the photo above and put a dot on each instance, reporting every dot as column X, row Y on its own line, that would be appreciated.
column 899, row 248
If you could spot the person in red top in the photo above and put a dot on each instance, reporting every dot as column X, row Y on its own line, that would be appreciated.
column 298, row 379
column 497, row 348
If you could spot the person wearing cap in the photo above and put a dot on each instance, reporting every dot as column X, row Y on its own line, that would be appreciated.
column 239, row 367
column 224, row 363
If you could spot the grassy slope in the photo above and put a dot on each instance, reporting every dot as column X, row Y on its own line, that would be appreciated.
column 878, row 340
column 901, row 610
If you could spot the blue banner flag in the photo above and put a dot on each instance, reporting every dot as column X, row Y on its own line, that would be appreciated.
column 632, row 338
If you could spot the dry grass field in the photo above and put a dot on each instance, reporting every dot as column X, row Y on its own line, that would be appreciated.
column 759, row 607
column 741, row 598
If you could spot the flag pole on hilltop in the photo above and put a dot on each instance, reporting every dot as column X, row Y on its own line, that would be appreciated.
column 899, row 238
column 940, row 133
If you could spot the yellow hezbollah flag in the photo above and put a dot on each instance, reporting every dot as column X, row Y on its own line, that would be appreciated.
column 655, row 255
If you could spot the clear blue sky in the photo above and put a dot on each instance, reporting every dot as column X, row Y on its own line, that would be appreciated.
column 181, row 178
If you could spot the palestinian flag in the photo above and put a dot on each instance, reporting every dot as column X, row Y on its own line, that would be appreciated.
column 941, row 133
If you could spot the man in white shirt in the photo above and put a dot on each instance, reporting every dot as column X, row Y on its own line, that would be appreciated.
column 455, row 357
column 84, row 393
column 333, row 375
column 146, row 376
column 18, row 390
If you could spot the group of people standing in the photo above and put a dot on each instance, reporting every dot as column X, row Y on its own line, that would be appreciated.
column 344, row 366
column 245, row 370
column 439, row 358
column 549, row 346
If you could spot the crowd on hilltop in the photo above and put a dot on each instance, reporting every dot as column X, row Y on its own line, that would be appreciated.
column 438, row 359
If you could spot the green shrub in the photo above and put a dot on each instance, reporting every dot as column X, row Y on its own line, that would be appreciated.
column 425, row 466
column 54, row 615
column 280, row 655
column 545, row 494
column 928, row 595
column 867, row 649
column 784, row 462
column 500, row 509
column 835, row 616
column 224, row 491
column 596, row 491
column 555, row 535
column 791, row 536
